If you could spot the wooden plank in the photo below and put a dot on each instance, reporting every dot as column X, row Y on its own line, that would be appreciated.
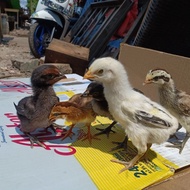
column 63, row 52
column 1, row 32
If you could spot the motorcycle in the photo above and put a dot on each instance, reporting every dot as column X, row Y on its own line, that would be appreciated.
column 51, row 19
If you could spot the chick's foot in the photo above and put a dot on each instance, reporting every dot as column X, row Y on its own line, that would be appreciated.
column 120, row 144
column 179, row 145
column 68, row 133
column 107, row 130
column 129, row 164
column 52, row 128
column 176, row 145
column 33, row 140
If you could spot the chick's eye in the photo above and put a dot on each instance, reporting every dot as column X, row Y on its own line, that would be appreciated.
column 50, row 76
column 56, row 114
column 100, row 71
column 156, row 78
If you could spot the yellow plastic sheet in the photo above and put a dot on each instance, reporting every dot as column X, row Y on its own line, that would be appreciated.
column 95, row 159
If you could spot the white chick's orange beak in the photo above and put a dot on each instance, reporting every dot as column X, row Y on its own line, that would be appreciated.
column 88, row 75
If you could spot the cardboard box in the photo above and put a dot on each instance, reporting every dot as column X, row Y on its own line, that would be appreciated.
column 138, row 61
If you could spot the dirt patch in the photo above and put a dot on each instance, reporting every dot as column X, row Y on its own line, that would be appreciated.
column 14, row 46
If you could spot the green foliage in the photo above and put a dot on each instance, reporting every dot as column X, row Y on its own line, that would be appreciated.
column 15, row 4
column 31, row 5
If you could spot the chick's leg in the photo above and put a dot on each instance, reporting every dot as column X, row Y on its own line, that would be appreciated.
column 174, row 135
column 145, row 156
column 107, row 130
column 89, row 136
column 68, row 133
column 180, row 145
column 184, row 142
column 33, row 140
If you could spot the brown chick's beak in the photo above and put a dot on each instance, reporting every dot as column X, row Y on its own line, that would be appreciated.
column 52, row 118
column 61, row 77
column 58, row 78
column 88, row 75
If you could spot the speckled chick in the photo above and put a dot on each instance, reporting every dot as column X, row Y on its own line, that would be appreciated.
column 176, row 101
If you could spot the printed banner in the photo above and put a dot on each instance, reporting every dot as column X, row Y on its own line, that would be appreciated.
column 73, row 163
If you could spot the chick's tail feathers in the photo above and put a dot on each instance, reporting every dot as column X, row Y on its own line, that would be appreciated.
column 19, row 110
column 16, row 107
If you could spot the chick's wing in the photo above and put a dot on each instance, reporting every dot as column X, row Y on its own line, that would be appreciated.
column 183, row 102
column 151, row 119
column 26, row 107
column 151, row 115
column 63, row 108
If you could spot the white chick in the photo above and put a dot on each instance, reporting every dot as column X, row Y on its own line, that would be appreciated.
column 144, row 121
column 176, row 101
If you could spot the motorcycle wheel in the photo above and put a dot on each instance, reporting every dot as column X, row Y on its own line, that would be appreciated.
column 39, row 38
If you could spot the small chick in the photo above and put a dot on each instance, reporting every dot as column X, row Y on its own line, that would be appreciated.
column 33, row 111
column 144, row 121
column 176, row 101
column 99, row 104
column 77, row 109
column 100, row 107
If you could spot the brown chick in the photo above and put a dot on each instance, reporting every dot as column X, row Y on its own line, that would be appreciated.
column 77, row 109
column 33, row 111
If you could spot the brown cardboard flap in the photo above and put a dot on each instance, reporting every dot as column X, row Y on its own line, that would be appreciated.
column 138, row 61
column 180, row 181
